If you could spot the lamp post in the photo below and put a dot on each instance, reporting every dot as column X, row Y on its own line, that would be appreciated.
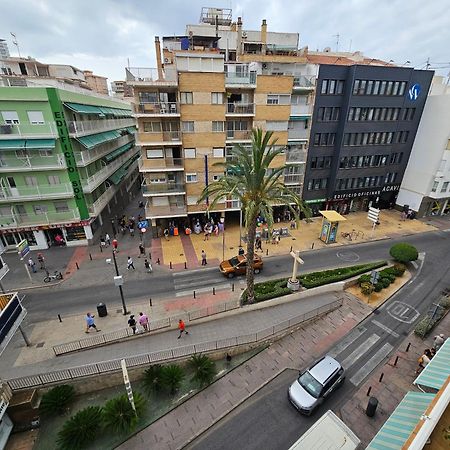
column 222, row 221
column 118, row 281
column 240, row 226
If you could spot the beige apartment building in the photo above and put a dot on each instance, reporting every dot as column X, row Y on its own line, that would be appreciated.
column 96, row 82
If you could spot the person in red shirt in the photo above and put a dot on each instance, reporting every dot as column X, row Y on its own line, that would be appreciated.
column 115, row 244
column 182, row 328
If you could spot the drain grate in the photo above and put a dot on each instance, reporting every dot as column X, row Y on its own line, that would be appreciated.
column 40, row 344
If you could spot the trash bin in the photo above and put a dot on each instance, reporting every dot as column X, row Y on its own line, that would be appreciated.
column 101, row 310
column 371, row 407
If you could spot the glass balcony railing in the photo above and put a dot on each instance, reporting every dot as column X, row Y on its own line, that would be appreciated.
column 83, row 127
column 163, row 136
column 239, row 74
column 163, row 188
column 294, row 179
column 9, row 162
column 151, row 76
column 240, row 108
column 160, row 164
column 165, row 211
column 159, row 108
column 39, row 219
column 39, row 192
column 28, row 130
column 304, row 81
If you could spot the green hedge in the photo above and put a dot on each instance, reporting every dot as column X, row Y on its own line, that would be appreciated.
column 269, row 289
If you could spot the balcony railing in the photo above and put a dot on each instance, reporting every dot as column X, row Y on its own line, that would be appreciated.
column 85, row 157
column 304, row 81
column 301, row 109
column 294, row 179
column 296, row 156
column 81, row 128
column 239, row 74
column 300, row 133
column 97, row 207
column 163, row 188
column 163, row 136
column 39, row 219
column 238, row 135
column 240, row 108
column 160, row 164
column 159, row 108
column 9, row 162
column 165, row 211
column 28, row 130
column 151, row 76
column 36, row 192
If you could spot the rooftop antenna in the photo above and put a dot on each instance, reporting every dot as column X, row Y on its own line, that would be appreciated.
column 428, row 64
column 15, row 42
column 337, row 36
column 350, row 46
column 128, row 62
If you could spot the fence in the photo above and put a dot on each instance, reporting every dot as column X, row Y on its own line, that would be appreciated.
column 117, row 335
column 75, row 373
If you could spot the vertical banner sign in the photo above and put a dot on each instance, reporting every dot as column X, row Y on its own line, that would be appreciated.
column 66, row 146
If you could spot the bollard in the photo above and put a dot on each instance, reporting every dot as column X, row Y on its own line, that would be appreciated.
column 59, row 317
column 185, row 265
column 381, row 378
column 150, row 301
column 194, row 294
column 149, row 255
column 267, row 252
column 312, row 246
column 396, row 361
column 101, row 249
column 291, row 248
column 407, row 347
column 90, row 256
column 214, row 291
column 158, row 261
column 232, row 287
column 78, row 267
column 368, row 391
column 170, row 265
column 371, row 407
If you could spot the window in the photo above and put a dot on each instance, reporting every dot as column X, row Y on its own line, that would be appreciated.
column 362, row 87
column 148, row 97
column 31, row 181
column 187, row 126
column 10, row 117
column 218, row 126
column 61, row 206
column 217, row 152
column 45, row 152
column 217, row 98
column 444, row 186
column 40, row 209
column 152, row 127
column 192, row 200
column 272, row 99
column 22, row 153
column 186, row 98
column 155, row 153
column 435, row 186
column 36, row 117
column 216, row 177
column 53, row 179
column 191, row 178
column 189, row 153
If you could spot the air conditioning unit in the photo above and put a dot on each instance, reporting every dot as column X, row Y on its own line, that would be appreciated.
column 166, row 60
column 6, row 129
column 264, row 66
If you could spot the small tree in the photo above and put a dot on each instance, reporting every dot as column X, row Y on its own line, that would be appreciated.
column 80, row 430
column 404, row 252
column 204, row 369
column 367, row 288
column 119, row 416
column 172, row 376
column 152, row 379
column 57, row 399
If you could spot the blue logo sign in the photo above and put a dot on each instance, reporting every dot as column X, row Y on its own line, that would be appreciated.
column 143, row 224
column 414, row 91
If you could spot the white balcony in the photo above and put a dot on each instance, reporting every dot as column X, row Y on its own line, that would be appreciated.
column 301, row 110
column 294, row 179
column 166, row 109
column 97, row 207
column 158, row 189
column 46, row 192
column 85, row 127
column 31, row 162
column 161, row 165
column 238, row 135
column 13, row 131
column 154, row 212
column 239, row 75
column 304, row 82
column 148, row 76
column 49, row 218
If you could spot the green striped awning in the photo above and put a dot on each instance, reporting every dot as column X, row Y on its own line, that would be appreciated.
column 118, row 151
column 299, row 117
column 83, row 109
column 437, row 370
column 131, row 130
column 131, row 160
column 12, row 144
column 118, row 175
column 97, row 139
column 40, row 143
column 31, row 144
column 399, row 426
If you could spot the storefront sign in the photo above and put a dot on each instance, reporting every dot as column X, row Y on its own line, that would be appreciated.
column 66, row 146
column 319, row 200
column 82, row 223
column 23, row 249
column 391, row 188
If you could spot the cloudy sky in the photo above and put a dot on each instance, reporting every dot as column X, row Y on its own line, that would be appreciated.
column 101, row 35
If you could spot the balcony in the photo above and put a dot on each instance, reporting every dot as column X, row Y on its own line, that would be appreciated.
column 146, row 76
column 46, row 192
column 238, row 135
column 298, row 133
column 97, row 207
column 239, row 75
column 92, row 182
column 241, row 109
column 294, row 179
column 85, row 127
column 14, row 131
column 154, row 189
column 154, row 212
column 161, row 165
column 157, row 109
column 301, row 110
column 48, row 218
column 304, row 82
column 85, row 157
column 296, row 156
column 162, row 138
column 10, row 162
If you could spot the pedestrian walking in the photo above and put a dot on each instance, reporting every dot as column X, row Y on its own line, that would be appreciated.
column 41, row 260
column 258, row 244
column 148, row 266
column 182, row 328
column 32, row 264
column 438, row 341
column 132, row 323
column 115, row 245
column 102, row 242
column 131, row 228
column 143, row 321
column 107, row 240
column 166, row 234
column 141, row 250
column 204, row 258
column 130, row 263
column 90, row 323
column 424, row 360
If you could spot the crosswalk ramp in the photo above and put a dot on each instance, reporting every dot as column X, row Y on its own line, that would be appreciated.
column 199, row 281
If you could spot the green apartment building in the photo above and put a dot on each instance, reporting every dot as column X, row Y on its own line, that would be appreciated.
column 66, row 159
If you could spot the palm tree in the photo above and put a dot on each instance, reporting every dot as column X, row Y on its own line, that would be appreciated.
column 204, row 369
column 118, row 414
column 172, row 376
column 152, row 379
column 258, row 186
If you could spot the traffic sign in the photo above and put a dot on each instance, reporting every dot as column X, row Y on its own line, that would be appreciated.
column 373, row 214
column 143, row 224
column 143, row 230
column 374, row 277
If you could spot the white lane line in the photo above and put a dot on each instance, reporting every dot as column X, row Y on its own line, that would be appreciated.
column 354, row 334
column 385, row 328
column 371, row 364
column 363, row 348
column 201, row 290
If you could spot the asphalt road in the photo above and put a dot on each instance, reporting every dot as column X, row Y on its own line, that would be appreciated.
column 267, row 420
column 45, row 302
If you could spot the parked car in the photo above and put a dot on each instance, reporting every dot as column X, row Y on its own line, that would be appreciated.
column 238, row 265
column 315, row 384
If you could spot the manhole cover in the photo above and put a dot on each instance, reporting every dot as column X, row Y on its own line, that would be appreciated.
column 348, row 256
column 41, row 344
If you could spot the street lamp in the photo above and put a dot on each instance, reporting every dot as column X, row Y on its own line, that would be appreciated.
column 118, row 281
column 222, row 221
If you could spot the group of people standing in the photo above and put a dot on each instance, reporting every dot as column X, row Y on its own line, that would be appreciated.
column 429, row 353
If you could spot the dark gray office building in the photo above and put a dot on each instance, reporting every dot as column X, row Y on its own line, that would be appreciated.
column 364, row 123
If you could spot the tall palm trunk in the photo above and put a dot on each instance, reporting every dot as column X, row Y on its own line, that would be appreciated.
column 251, row 235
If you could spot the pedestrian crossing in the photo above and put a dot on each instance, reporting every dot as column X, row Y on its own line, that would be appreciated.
column 199, row 281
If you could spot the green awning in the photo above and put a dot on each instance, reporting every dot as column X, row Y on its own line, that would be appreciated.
column 12, row 144
column 84, row 109
column 118, row 175
column 131, row 161
column 40, row 143
column 97, row 139
column 118, row 151
column 399, row 426
column 299, row 118
column 131, row 130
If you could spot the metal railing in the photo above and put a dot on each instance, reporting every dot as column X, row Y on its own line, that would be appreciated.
column 163, row 136
column 157, row 108
column 83, row 127
column 301, row 109
column 298, row 132
column 150, row 75
column 31, row 162
column 39, row 219
column 155, row 165
column 163, row 188
column 96, row 208
column 74, row 373
column 240, row 108
column 165, row 211
column 21, row 192
column 238, row 134
column 298, row 156
column 28, row 130
column 294, row 178
column 304, row 81
column 239, row 74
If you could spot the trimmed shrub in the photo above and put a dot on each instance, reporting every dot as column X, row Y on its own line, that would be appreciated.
column 364, row 279
column 367, row 288
column 172, row 376
column 204, row 369
column 152, row 379
column 269, row 289
column 57, row 399
column 385, row 282
column 118, row 414
column 378, row 287
column 399, row 269
column 403, row 252
column 424, row 326
column 81, row 429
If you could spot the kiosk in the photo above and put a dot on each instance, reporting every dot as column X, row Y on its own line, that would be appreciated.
column 330, row 224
